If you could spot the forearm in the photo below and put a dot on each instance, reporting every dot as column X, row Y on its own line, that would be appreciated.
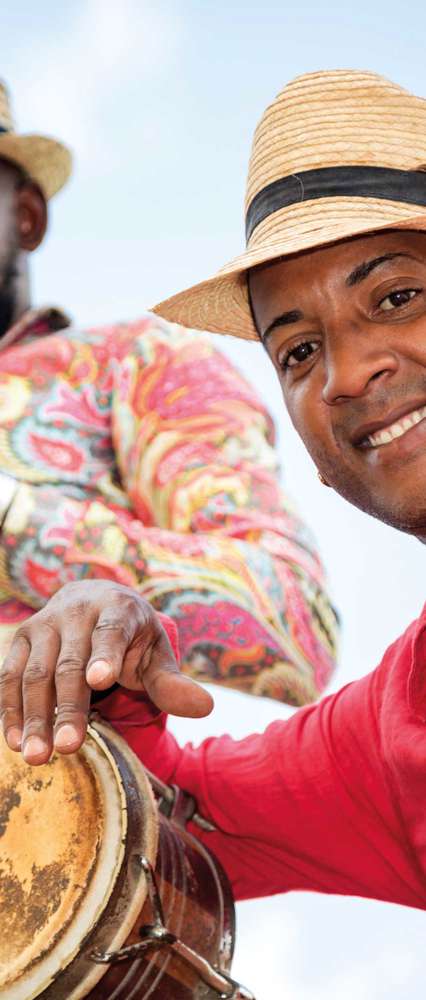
column 247, row 616
column 38, row 527
column 228, row 558
column 305, row 805
column 231, row 796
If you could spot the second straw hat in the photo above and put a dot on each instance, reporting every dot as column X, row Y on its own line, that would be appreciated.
column 46, row 161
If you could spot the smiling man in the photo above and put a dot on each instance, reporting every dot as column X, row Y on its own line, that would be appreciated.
column 345, row 330
column 333, row 281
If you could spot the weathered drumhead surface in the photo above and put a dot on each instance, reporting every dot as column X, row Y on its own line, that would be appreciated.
column 51, row 824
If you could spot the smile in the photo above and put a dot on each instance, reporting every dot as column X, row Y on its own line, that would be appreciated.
column 387, row 434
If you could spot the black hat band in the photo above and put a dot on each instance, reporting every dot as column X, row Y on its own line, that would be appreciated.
column 384, row 183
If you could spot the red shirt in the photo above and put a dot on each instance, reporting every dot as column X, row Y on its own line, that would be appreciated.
column 332, row 800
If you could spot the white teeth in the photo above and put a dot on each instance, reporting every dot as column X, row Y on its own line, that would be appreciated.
column 397, row 429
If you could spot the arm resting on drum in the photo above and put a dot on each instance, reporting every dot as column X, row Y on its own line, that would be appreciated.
column 232, row 629
column 211, row 539
column 330, row 801
column 232, row 562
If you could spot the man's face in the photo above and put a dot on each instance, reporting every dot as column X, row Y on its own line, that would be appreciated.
column 9, row 244
column 345, row 328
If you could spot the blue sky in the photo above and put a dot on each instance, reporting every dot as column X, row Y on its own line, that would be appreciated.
column 159, row 102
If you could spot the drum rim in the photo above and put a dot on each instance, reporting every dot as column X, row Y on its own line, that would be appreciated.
column 100, row 736
column 96, row 939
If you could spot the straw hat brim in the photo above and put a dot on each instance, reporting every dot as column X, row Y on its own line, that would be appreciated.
column 221, row 304
column 45, row 160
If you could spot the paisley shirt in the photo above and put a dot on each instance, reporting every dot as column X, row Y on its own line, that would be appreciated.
column 141, row 455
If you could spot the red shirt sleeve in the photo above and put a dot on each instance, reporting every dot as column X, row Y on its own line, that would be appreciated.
column 331, row 800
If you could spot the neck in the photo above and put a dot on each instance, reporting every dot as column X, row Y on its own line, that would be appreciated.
column 21, row 287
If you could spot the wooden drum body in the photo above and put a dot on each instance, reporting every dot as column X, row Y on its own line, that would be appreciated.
column 90, row 867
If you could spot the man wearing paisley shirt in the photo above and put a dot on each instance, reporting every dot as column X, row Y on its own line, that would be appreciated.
column 332, row 799
column 137, row 453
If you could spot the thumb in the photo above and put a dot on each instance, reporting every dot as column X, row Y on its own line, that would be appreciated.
column 170, row 690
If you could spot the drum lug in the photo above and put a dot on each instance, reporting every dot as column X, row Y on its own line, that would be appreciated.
column 178, row 805
column 156, row 935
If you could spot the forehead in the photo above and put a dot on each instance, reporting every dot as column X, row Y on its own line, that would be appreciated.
column 334, row 263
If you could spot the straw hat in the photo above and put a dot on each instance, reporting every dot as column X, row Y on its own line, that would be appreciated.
column 46, row 161
column 338, row 153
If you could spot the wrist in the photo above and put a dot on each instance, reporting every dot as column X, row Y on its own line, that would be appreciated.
column 118, row 705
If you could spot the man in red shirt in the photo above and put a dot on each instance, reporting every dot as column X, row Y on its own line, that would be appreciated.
column 334, row 283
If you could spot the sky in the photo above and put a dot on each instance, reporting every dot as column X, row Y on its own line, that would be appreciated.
column 159, row 103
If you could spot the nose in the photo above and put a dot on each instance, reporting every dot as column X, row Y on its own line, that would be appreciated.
column 353, row 365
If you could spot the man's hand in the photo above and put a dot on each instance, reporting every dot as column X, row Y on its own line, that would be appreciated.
column 89, row 635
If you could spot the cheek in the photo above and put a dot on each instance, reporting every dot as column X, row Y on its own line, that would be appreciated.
column 310, row 419
column 418, row 351
column 408, row 343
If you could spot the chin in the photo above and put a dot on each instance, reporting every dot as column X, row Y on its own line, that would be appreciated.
column 404, row 509
column 406, row 515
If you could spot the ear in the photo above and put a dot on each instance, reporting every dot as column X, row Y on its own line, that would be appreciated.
column 31, row 215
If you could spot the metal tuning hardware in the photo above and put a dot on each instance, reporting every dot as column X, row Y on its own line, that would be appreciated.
column 156, row 935
column 178, row 805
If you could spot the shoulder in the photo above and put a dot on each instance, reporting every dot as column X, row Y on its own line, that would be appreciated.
column 145, row 335
column 191, row 357
column 378, row 709
column 396, row 688
column 401, row 674
column 179, row 359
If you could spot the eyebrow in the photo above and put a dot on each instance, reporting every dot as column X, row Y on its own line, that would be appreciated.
column 293, row 316
column 363, row 270
column 354, row 278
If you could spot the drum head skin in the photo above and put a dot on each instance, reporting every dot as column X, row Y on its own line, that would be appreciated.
column 62, row 841
column 51, row 825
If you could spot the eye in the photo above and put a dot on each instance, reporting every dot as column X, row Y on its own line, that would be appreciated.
column 297, row 355
column 397, row 299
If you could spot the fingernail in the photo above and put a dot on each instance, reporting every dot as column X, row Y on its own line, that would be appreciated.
column 98, row 672
column 66, row 736
column 14, row 738
column 34, row 747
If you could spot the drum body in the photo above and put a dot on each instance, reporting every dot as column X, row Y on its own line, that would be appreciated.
column 72, row 887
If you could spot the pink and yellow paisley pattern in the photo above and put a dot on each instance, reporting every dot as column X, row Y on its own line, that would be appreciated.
column 144, row 457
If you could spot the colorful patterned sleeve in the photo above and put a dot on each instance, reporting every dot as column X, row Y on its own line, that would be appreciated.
column 210, row 539
column 225, row 555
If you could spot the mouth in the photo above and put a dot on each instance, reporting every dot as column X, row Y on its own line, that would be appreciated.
column 383, row 433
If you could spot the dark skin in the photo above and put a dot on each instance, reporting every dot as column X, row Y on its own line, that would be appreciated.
column 23, row 224
column 345, row 327
column 89, row 635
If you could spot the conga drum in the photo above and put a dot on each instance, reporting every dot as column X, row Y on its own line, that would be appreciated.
column 101, row 894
